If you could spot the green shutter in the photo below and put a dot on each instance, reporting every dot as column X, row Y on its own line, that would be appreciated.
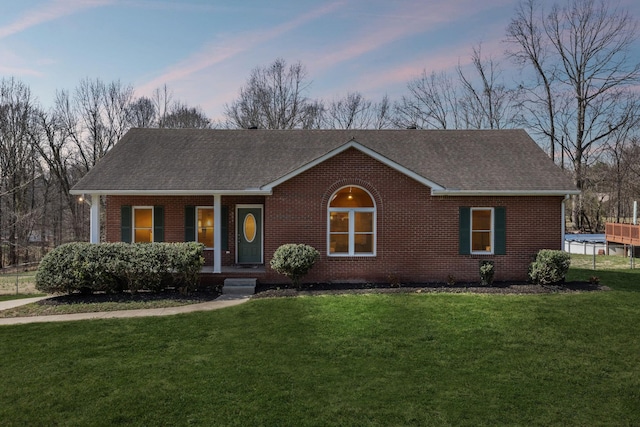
column 224, row 229
column 500, row 234
column 189, row 224
column 125, row 224
column 464, row 237
column 158, row 223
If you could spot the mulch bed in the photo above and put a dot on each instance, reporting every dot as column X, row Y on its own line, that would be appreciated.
column 192, row 297
column 264, row 291
column 271, row 291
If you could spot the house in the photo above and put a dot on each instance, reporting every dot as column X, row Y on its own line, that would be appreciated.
column 420, row 205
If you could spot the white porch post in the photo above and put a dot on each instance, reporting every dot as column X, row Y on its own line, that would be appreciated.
column 217, row 235
column 94, row 235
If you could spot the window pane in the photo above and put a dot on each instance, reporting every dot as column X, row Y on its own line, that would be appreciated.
column 143, row 225
column 364, row 221
column 249, row 228
column 144, row 218
column 143, row 235
column 205, row 226
column 481, row 220
column 363, row 243
column 481, row 241
column 339, row 243
column 339, row 221
column 351, row 197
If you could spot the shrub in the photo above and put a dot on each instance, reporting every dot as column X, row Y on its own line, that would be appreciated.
column 114, row 267
column 486, row 272
column 294, row 261
column 549, row 267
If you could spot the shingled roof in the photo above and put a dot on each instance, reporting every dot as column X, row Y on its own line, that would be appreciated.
column 194, row 161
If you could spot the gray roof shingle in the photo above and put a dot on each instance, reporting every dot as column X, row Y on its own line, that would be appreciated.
column 208, row 161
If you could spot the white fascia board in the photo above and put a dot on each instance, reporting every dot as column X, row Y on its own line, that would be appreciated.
column 353, row 144
column 446, row 192
column 247, row 192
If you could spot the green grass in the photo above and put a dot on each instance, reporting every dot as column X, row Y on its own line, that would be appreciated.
column 376, row 359
column 26, row 283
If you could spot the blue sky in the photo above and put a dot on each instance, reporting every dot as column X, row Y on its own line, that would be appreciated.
column 204, row 50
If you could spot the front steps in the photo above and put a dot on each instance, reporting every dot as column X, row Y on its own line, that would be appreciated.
column 239, row 286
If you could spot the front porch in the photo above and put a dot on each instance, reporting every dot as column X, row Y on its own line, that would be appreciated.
column 234, row 270
column 208, row 275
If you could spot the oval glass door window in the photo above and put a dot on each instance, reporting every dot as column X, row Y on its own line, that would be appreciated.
column 249, row 228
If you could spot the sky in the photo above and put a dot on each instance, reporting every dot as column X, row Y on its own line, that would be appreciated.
column 204, row 50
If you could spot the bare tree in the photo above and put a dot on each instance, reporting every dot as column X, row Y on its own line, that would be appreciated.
column 592, row 41
column 274, row 97
column 183, row 116
column 354, row 111
column 142, row 113
column 19, row 166
column 95, row 118
column 492, row 104
column 433, row 102
column 532, row 48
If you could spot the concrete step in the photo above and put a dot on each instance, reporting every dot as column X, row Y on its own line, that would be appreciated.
column 239, row 286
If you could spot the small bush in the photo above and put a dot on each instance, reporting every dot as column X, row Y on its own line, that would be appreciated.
column 114, row 267
column 294, row 261
column 486, row 272
column 550, row 267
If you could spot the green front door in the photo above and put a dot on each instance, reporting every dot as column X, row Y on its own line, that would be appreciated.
column 249, row 232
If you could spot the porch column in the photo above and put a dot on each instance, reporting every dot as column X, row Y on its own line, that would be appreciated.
column 217, row 235
column 94, row 235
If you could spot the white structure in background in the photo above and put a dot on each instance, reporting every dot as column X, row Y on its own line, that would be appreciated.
column 589, row 244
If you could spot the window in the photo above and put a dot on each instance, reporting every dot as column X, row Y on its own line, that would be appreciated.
column 352, row 223
column 205, row 226
column 142, row 224
column 481, row 230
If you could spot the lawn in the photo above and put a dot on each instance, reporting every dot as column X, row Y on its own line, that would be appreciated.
column 26, row 283
column 376, row 359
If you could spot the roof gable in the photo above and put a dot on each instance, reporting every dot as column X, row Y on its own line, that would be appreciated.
column 353, row 144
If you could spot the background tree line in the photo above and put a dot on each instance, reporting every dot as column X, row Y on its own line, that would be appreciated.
column 576, row 92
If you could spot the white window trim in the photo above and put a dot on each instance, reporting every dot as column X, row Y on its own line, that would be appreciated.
column 133, row 223
column 214, row 225
column 351, row 231
column 491, row 232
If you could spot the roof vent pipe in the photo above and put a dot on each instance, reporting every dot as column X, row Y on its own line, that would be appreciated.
column 412, row 127
column 252, row 127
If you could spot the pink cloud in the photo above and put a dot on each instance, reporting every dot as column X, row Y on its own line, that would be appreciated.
column 389, row 28
column 224, row 49
column 52, row 11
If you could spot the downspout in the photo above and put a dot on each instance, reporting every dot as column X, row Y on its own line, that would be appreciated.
column 562, row 223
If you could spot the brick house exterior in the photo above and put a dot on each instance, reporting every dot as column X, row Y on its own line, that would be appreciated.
column 414, row 226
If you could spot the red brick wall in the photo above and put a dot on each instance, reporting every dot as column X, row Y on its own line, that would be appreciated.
column 417, row 234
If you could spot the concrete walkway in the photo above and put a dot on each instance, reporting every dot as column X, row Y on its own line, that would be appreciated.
column 221, row 302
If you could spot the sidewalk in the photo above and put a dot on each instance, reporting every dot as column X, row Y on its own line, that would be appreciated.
column 220, row 302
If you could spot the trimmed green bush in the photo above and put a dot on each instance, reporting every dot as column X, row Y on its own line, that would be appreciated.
column 294, row 261
column 550, row 267
column 487, row 271
column 114, row 267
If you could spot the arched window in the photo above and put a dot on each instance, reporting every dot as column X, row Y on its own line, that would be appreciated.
column 352, row 223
